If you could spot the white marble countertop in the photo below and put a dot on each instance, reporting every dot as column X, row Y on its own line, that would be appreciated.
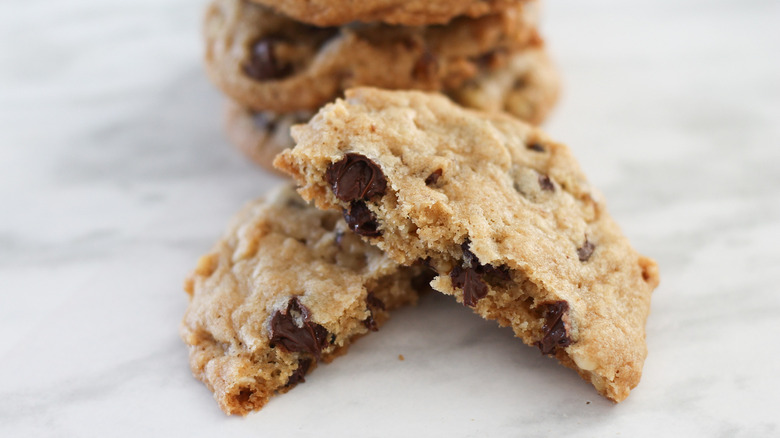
column 115, row 177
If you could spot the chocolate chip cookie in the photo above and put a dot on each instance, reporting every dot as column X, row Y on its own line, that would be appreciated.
column 527, row 87
column 501, row 212
column 261, row 135
column 405, row 12
column 269, row 62
column 285, row 288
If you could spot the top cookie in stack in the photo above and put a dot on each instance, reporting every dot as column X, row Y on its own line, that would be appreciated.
column 278, row 65
column 403, row 12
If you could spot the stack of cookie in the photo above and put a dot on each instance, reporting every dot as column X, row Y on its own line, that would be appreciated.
column 408, row 192
column 279, row 62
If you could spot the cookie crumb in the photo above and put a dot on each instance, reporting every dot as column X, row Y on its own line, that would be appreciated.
column 400, row 357
column 587, row 402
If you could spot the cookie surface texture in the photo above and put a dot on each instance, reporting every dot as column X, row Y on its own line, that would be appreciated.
column 405, row 12
column 285, row 288
column 501, row 212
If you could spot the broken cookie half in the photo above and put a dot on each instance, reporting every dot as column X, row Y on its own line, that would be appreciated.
column 503, row 214
column 286, row 287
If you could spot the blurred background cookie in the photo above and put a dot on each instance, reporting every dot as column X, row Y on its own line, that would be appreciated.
column 405, row 12
column 266, row 61
column 527, row 87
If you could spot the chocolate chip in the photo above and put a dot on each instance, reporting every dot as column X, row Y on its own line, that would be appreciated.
column 410, row 43
column 426, row 67
column 493, row 275
column 372, row 303
column 361, row 220
column 546, row 183
column 293, row 330
column 474, row 289
column 262, row 64
column 297, row 376
column 489, row 60
column 427, row 262
column 319, row 35
column 585, row 252
column 355, row 177
column 473, row 276
column 536, row 147
column 262, row 121
column 555, row 333
column 433, row 178
column 520, row 83
column 369, row 322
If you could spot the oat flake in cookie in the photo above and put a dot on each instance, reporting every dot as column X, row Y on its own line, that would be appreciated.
column 501, row 212
column 286, row 287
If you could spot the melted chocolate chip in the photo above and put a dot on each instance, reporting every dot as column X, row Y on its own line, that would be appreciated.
column 262, row 64
column 536, row 147
column 494, row 274
column 372, row 303
column 369, row 322
column 355, row 177
column 293, row 330
column 426, row 67
column 474, row 289
column 433, row 178
column 361, row 220
column 585, row 252
column 546, row 183
column 555, row 333
column 297, row 375
column 472, row 276
column 471, row 260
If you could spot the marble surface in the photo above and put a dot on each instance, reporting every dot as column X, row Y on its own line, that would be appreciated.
column 115, row 177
